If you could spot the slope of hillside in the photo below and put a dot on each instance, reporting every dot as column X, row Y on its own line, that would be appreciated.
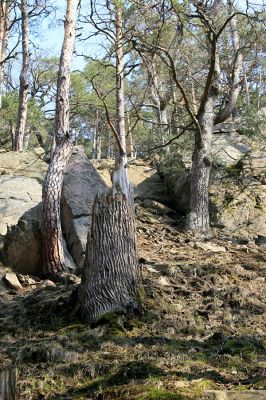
column 202, row 328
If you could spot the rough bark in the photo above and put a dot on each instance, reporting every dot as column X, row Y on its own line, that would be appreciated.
column 23, row 80
column 236, row 80
column 4, row 32
column 120, row 175
column 131, row 150
column 111, row 273
column 8, row 384
column 198, row 218
column 53, row 255
column 26, row 139
column 97, row 140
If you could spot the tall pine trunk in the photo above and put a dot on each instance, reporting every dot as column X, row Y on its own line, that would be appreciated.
column 23, row 80
column 4, row 31
column 53, row 255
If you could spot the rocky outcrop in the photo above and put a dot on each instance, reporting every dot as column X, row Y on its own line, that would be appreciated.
column 144, row 178
column 21, row 209
column 17, row 195
column 237, row 185
column 26, row 163
column 81, row 184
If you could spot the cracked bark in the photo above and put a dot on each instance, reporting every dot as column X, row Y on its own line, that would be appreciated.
column 53, row 255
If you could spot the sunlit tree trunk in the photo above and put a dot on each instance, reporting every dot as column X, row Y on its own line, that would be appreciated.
column 4, row 31
column 23, row 80
column 130, row 141
column 53, row 255
column 97, row 140
column 198, row 218
column 237, row 62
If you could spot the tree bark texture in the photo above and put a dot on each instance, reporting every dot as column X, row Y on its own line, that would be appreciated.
column 4, row 31
column 198, row 218
column 120, row 175
column 131, row 150
column 8, row 384
column 237, row 62
column 111, row 272
column 97, row 142
column 23, row 80
column 53, row 254
column 54, row 263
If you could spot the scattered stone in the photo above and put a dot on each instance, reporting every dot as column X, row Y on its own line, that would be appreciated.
column 150, row 269
column 164, row 281
column 212, row 247
column 47, row 283
column 26, row 280
column 234, row 395
column 155, row 206
column 12, row 281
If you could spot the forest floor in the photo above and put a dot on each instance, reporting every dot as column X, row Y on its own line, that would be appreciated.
column 202, row 327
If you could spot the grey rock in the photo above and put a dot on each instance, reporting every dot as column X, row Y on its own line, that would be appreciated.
column 12, row 280
column 156, row 207
column 22, row 248
column 81, row 184
column 17, row 195
column 234, row 395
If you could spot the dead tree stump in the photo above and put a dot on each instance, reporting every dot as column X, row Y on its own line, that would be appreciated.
column 111, row 274
column 8, row 384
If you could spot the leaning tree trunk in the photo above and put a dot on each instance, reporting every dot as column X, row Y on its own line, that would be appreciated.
column 111, row 273
column 8, row 384
column 198, row 217
column 53, row 255
column 23, row 80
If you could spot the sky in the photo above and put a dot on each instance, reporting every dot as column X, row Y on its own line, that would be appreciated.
column 48, row 35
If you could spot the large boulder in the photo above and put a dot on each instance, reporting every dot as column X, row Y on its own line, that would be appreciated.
column 84, row 179
column 22, row 248
column 145, row 179
column 81, row 184
column 17, row 195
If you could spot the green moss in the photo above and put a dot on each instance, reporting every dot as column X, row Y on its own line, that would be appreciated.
column 141, row 294
column 76, row 327
column 160, row 394
column 113, row 332
column 246, row 347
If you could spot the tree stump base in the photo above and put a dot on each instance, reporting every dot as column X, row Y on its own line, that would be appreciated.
column 8, row 384
column 111, row 274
